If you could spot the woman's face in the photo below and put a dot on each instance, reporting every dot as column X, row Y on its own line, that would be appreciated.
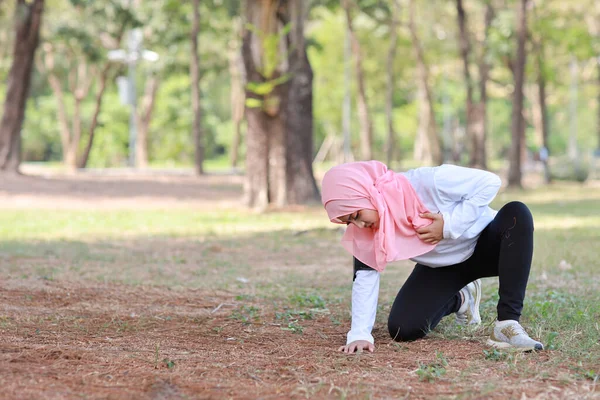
column 362, row 218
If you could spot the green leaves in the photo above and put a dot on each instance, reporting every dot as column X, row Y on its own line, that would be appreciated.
column 265, row 88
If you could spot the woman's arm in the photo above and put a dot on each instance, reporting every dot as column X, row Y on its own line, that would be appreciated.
column 365, row 293
column 470, row 190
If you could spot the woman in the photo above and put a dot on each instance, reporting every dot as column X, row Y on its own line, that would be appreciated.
column 440, row 218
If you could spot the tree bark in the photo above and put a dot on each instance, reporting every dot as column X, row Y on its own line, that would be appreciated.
column 195, row 80
column 364, row 116
column 279, row 137
column 427, row 131
column 518, row 122
column 28, row 17
column 389, row 97
column 256, row 185
column 301, row 185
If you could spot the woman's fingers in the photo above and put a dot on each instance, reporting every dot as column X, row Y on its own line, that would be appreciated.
column 356, row 347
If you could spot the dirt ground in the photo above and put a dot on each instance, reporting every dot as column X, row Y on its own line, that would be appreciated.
column 86, row 339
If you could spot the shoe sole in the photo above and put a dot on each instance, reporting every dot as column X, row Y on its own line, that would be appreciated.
column 504, row 345
column 476, row 316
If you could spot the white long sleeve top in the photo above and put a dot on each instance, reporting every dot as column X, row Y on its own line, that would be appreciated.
column 462, row 196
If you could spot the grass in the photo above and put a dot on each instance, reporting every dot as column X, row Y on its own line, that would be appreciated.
column 287, row 270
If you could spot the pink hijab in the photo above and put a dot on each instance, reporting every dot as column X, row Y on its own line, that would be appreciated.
column 361, row 185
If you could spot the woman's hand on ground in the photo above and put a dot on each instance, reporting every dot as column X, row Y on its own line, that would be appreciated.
column 433, row 232
column 357, row 346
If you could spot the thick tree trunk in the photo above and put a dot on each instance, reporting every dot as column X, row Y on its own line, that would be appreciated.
column 195, row 80
column 364, row 116
column 28, row 17
column 427, row 125
column 518, row 122
column 279, row 138
column 256, row 185
column 389, row 95
column 301, row 185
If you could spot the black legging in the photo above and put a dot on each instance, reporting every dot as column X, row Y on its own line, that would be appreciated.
column 504, row 249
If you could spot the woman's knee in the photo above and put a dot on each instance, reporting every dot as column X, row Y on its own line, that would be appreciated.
column 405, row 333
column 519, row 213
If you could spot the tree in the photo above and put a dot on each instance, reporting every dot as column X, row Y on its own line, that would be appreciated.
column 278, row 106
column 476, row 127
column 75, row 64
column 517, row 120
column 195, row 80
column 427, row 147
column 364, row 116
column 28, row 17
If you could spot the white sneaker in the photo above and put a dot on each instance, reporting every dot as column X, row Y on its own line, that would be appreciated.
column 468, row 313
column 510, row 333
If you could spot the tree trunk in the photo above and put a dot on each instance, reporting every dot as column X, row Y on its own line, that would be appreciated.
column 73, row 147
column 427, row 125
column 256, row 184
column 389, row 98
column 83, row 160
column 195, row 80
column 143, row 122
column 465, row 51
column 279, row 138
column 28, row 17
column 518, row 122
column 301, row 185
column 80, row 84
column 364, row 116
column 475, row 112
column 422, row 151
